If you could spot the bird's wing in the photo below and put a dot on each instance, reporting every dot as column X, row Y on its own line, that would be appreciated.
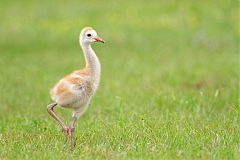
column 76, row 83
column 72, row 87
column 69, row 90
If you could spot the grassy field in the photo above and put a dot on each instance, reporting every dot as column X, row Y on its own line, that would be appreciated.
column 169, row 86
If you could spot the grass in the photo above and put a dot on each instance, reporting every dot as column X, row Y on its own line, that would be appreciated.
column 169, row 86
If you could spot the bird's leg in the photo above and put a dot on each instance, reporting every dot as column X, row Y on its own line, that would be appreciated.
column 72, row 128
column 52, row 113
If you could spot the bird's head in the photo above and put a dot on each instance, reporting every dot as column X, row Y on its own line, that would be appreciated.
column 89, row 35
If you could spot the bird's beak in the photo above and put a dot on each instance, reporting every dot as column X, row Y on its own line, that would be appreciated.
column 98, row 39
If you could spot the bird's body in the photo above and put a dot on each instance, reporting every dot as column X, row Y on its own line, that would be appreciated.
column 76, row 89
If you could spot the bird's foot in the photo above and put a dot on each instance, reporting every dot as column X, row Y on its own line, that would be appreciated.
column 71, row 137
column 66, row 132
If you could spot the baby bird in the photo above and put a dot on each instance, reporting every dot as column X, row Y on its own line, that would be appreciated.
column 76, row 89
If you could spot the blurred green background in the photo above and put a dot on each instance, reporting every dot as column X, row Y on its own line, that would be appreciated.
column 169, row 86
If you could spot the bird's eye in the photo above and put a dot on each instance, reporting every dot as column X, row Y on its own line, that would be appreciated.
column 89, row 35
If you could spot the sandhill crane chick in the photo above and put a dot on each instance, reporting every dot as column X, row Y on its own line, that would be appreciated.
column 76, row 89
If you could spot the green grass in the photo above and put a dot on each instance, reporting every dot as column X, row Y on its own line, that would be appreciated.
column 169, row 86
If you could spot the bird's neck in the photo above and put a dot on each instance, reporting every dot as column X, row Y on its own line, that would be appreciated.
column 92, row 61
